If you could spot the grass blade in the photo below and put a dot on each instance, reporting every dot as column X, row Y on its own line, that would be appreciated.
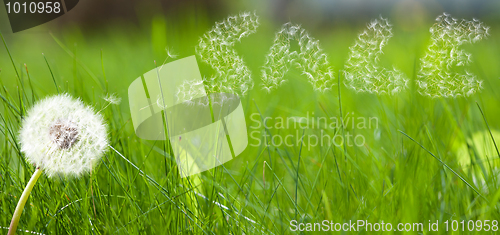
column 449, row 168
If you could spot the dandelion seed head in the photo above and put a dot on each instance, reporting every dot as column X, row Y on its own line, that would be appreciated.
column 190, row 90
column 441, row 73
column 310, row 59
column 361, row 71
column 62, row 135
column 216, row 49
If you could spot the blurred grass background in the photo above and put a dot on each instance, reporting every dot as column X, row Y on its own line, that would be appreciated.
column 100, row 47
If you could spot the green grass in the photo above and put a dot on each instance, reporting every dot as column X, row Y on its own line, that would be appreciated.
column 409, row 171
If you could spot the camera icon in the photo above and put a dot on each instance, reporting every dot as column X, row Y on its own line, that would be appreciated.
column 205, row 131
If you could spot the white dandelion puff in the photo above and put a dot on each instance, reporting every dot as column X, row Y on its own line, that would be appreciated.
column 61, row 135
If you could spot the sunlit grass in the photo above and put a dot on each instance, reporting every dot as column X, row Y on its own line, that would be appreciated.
column 408, row 170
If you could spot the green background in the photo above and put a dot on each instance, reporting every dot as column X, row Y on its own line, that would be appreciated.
column 99, row 48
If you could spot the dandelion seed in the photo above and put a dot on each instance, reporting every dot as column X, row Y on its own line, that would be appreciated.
column 170, row 53
column 362, row 72
column 61, row 136
column 310, row 59
column 190, row 90
column 437, row 76
column 112, row 99
column 160, row 103
column 216, row 49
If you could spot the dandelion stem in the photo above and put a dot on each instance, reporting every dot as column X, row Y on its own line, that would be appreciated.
column 22, row 201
